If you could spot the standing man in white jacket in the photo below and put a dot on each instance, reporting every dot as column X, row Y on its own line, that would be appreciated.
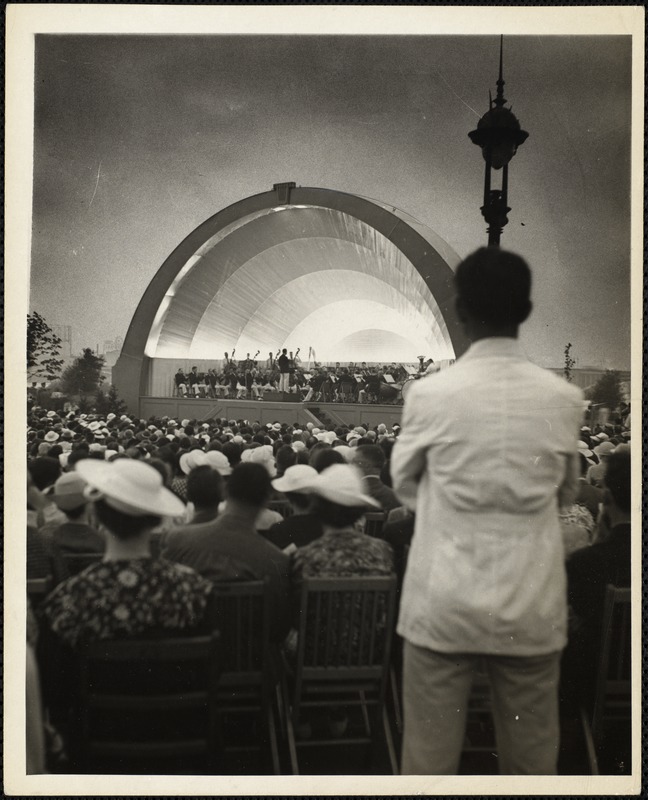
column 486, row 455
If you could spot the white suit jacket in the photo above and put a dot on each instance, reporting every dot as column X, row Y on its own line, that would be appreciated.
column 486, row 454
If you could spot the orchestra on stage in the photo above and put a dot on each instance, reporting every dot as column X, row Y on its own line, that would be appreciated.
column 250, row 378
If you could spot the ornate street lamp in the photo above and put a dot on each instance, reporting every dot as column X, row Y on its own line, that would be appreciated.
column 499, row 135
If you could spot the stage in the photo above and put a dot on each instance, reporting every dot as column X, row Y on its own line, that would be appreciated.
column 270, row 410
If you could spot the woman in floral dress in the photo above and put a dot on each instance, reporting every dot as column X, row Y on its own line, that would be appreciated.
column 127, row 594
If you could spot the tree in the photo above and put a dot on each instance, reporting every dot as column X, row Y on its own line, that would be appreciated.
column 109, row 403
column 115, row 404
column 607, row 390
column 83, row 377
column 43, row 349
column 569, row 363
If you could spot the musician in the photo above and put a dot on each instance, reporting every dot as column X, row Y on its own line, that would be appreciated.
column 181, row 382
column 283, row 363
column 249, row 380
column 372, row 385
column 269, row 365
column 210, row 382
column 326, row 387
column 230, row 362
column 194, row 379
column 346, row 385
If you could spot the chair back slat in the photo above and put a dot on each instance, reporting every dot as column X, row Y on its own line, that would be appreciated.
column 282, row 506
column 38, row 588
column 354, row 622
column 374, row 522
column 243, row 622
column 613, row 687
column 346, row 623
column 343, row 661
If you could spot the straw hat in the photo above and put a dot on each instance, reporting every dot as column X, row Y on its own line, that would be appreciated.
column 130, row 486
column 342, row 484
column 191, row 460
column 297, row 478
column 218, row 461
column 604, row 449
column 261, row 455
column 68, row 491
column 346, row 452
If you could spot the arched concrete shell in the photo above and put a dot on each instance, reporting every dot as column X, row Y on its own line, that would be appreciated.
column 259, row 270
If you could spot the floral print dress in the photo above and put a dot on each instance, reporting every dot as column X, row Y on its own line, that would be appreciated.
column 126, row 598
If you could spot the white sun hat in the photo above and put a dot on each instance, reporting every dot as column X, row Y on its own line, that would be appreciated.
column 129, row 486
column 261, row 455
column 297, row 478
column 345, row 451
column 191, row 460
column 218, row 461
column 342, row 484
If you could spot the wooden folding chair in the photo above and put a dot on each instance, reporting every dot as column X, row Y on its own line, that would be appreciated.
column 343, row 656
column 374, row 521
column 613, row 697
column 38, row 589
column 282, row 506
column 149, row 706
column 249, row 673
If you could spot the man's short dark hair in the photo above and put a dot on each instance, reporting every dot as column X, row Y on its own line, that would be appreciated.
column 372, row 454
column 44, row 471
column 249, row 483
column 204, row 486
column 617, row 478
column 325, row 457
column 494, row 286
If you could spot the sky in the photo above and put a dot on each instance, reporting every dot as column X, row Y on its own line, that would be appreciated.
column 139, row 139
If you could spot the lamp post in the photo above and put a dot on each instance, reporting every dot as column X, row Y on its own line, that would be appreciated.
column 499, row 135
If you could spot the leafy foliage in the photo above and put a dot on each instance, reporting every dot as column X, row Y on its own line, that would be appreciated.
column 607, row 390
column 110, row 402
column 43, row 349
column 83, row 377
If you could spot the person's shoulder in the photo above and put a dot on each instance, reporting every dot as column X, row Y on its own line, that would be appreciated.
column 557, row 383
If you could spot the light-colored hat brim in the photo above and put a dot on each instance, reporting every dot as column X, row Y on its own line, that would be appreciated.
column 301, row 483
column 125, row 494
column 344, row 497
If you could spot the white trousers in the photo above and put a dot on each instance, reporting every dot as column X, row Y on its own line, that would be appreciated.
column 436, row 688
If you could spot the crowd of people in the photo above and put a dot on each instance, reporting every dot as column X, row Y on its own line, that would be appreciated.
column 171, row 506
column 493, row 529
column 336, row 383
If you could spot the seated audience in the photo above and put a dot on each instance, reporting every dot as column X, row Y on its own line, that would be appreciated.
column 128, row 593
column 76, row 534
column 596, row 473
column 588, row 495
column 370, row 459
column 342, row 551
column 302, row 527
column 229, row 547
column 205, row 492
column 589, row 571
